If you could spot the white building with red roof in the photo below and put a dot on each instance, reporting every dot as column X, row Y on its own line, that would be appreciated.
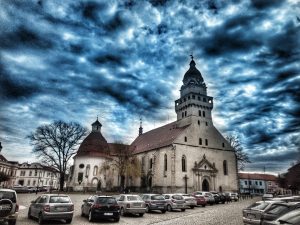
column 187, row 155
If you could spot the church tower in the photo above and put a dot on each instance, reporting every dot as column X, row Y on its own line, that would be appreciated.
column 194, row 105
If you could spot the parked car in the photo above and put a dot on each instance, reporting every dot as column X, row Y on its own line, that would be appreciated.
column 232, row 196
column 207, row 195
column 100, row 207
column 200, row 199
column 252, row 214
column 131, row 204
column 292, row 217
column 222, row 197
column 267, row 196
column 174, row 201
column 51, row 207
column 21, row 189
column 217, row 197
column 277, row 210
column 155, row 202
column 190, row 201
column 9, row 207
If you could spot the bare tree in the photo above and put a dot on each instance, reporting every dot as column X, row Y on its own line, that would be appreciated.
column 126, row 163
column 241, row 156
column 55, row 144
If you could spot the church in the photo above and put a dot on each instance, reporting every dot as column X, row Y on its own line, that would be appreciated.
column 187, row 155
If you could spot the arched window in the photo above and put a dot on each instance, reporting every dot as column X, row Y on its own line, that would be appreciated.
column 225, row 167
column 151, row 162
column 165, row 163
column 183, row 163
column 185, row 139
column 95, row 172
column 87, row 170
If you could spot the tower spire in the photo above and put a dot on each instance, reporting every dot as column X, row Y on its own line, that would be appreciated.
column 141, row 127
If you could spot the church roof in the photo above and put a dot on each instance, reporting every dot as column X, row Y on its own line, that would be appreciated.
column 2, row 158
column 94, row 145
column 156, row 138
column 193, row 74
column 96, row 123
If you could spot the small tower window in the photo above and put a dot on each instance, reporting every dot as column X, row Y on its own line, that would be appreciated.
column 183, row 163
column 199, row 122
column 189, row 97
column 185, row 139
column 204, row 99
column 199, row 112
column 185, row 113
column 223, row 145
column 200, row 141
column 206, row 142
column 203, row 113
column 95, row 172
column 199, row 98
column 182, row 114
column 193, row 96
column 150, row 162
column 206, row 123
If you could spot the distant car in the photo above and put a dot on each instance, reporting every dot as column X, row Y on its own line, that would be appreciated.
column 8, row 206
column 21, row 189
column 100, row 207
column 222, row 197
column 292, row 217
column 252, row 214
column 155, row 202
column 216, row 196
column 131, row 204
column 232, row 196
column 267, row 197
column 190, row 201
column 200, row 199
column 207, row 195
column 174, row 201
column 277, row 210
column 51, row 207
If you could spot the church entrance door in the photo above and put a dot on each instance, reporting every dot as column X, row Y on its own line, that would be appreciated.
column 205, row 185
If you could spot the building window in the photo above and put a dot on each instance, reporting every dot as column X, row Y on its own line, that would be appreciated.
column 199, row 98
column 165, row 163
column 199, row 122
column 204, row 99
column 193, row 96
column 183, row 163
column 225, row 167
column 223, row 145
column 250, row 182
column 260, row 183
column 151, row 162
column 206, row 142
column 182, row 114
column 28, row 183
column 87, row 170
column 34, row 183
column 95, row 172
column 256, row 183
column 30, row 173
column 203, row 113
column 185, row 139
column 185, row 113
column 246, row 183
column 80, row 177
column 199, row 112
column 22, row 173
column 206, row 123
column 200, row 141
column 35, row 173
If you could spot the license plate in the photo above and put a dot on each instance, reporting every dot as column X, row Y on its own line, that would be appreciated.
column 251, row 216
column 108, row 214
column 61, row 209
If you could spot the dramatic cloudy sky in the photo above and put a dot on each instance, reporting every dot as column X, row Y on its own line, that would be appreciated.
column 122, row 60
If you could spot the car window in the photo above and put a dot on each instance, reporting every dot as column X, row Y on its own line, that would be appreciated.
column 43, row 199
column 292, row 217
column 106, row 200
column 177, row 197
column 167, row 196
column 122, row 198
column 277, row 209
column 8, row 195
column 59, row 199
column 157, row 197
column 261, row 206
column 134, row 198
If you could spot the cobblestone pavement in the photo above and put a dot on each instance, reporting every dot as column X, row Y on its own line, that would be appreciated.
column 221, row 214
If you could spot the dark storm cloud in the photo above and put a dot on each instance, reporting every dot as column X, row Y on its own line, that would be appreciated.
column 73, row 60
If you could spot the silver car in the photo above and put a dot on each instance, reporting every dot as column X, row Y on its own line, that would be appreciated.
column 174, row 201
column 131, row 204
column 8, row 206
column 52, row 207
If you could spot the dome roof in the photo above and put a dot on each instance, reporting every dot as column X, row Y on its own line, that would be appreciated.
column 192, row 75
column 93, row 145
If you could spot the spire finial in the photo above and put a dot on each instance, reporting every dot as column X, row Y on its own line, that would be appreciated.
column 192, row 56
column 141, row 127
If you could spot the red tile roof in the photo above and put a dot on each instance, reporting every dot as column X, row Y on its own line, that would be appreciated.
column 257, row 176
column 157, row 138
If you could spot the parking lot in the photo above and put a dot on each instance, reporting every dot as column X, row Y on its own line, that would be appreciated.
column 227, row 214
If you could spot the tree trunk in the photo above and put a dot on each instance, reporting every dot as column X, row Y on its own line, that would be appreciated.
column 61, row 181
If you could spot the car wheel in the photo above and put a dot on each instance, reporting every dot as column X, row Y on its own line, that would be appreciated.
column 68, row 221
column 117, row 219
column 169, row 208
column 163, row 211
column 147, row 209
column 41, row 219
column 182, row 210
column 192, row 207
column 122, row 212
column 12, row 222
column 203, row 205
column 82, row 214
column 91, row 216
column 141, row 214
column 29, row 214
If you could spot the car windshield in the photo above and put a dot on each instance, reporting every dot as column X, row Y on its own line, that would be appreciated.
column 8, row 195
column 134, row 198
column 106, row 201
column 292, row 217
column 157, row 197
column 177, row 197
column 59, row 199
column 277, row 209
column 186, row 195
column 261, row 206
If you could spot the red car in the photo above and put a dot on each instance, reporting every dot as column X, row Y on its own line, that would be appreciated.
column 200, row 199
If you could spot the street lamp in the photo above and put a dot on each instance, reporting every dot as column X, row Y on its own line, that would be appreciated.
column 185, row 180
